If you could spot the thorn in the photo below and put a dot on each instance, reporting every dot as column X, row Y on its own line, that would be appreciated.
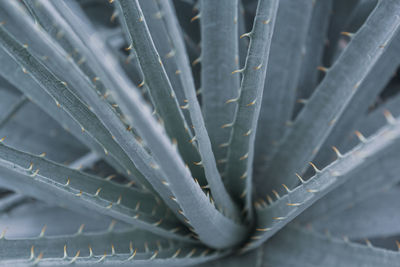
column 196, row 17
column 314, row 167
column 312, row 191
column 196, row 61
column 154, row 255
column 2, row 139
column 119, row 199
column 191, row 253
column 245, row 156
column 243, row 194
column 110, row 177
column 32, row 253
column 158, row 222
column 113, row 16
column 198, row 163
column 172, row 198
column 177, row 72
column 227, row 125
column 293, row 204
column 247, row 133
column 231, row 100
column 112, row 250
column 279, row 218
column 301, row 101
column 338, row 154
column 360, row 137
column 276, row 194
column 263, row 229
column 133, row 255
column 301, row 179
column 248, row 34
column 109, row 205
column 129, row 47
column 97, row 192
column 323, row 69
column 3, row 234
column 38, row 258
column 258, row 67
column 170, row 54
column 266, row 21
column 244, row 175
column 80, row 230
column 251, row 103
column 398, row 245
column 79, row 194
column 287, row 189
column 185, row 106
column 43, row 231
column 65, row 252
column 90, row 252
column 30, row 167
column 192, row 140
column 237, row 71
column 141, row 84
column 223, row 145
column 348, row 34
column 137, row 207
column 176, row 253
column 75, row 257
column 389, row 117
column 102, row 258
column 369, row 244
column 35, row 173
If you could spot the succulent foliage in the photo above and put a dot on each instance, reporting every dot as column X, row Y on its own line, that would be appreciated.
column 183, row 132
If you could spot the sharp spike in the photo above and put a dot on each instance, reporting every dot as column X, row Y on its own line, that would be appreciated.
column 287, row 189
column 314, row 167
column 248, row 34
column 389, row 117
column 196, row 17
column 301, row 179
column 65, row 252
column 360, row 136
column 133, row 255
column 97, row 192
column 154, row 255
column 75, row 257
column 43, row 231
column 338, row 154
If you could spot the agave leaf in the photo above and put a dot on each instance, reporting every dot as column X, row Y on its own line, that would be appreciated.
column 181, row 195
column 272, row 217
column 151, row 67
column 314, row 48
column 239, row 170
column 49, row 181
column 110, row 247
column 370, row 88
column 325, row 107
column 64, row 95
column 14, row 73
column 288, row 40
column 375, row 216
column 219, row 25
column 164, row 43
column 341, row 10
column 310, row 249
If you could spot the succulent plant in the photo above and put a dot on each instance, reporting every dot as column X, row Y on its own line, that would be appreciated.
column 177, row 133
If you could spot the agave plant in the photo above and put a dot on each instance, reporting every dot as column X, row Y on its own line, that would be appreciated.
column 211, row 132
